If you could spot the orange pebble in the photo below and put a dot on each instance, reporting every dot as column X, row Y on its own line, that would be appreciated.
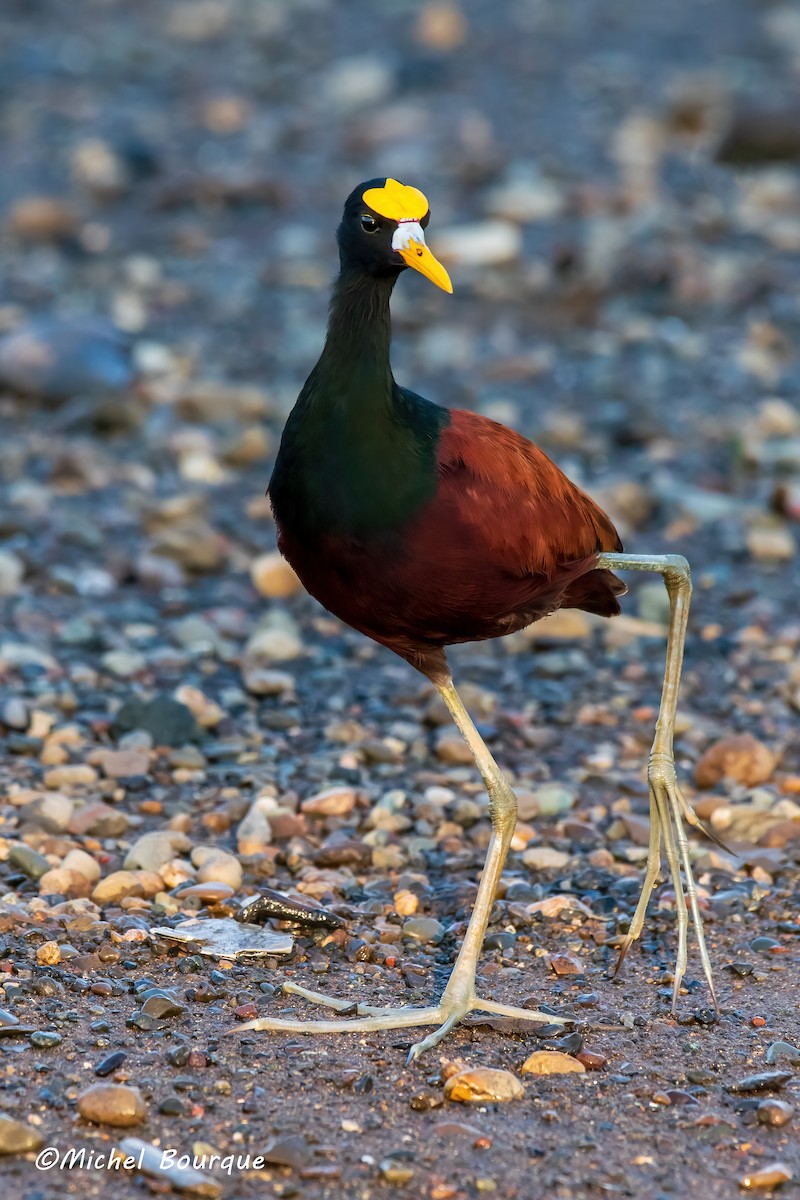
column 759, row 1022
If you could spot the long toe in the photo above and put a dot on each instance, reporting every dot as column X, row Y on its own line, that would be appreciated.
column 434, row 1038
column 390, row 1018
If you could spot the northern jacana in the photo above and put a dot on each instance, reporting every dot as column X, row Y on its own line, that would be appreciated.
column 422, row 527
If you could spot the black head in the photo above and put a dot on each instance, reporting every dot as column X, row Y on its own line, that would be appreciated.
column 381, row 232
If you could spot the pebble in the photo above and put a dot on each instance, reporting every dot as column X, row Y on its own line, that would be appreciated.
column 551, row 1062
column 742, row 758
column 170, row 1174
column 774, row 1112
column 483, row 244
column 217, row 866
column 57, row 358
column 771, row 543
column 273, row 577
column 112, row 1104
column 291, row 1150
column 42, row 219
column 187, row 758
column 162, row 1006
column 117, row 886
column 264, row 681
column 12, row 572
column 767, row 1177
column 273, row 646
column 483, row 1085
column 783, row 1050
column 566, row 964
column 525, row 196
column 18, row 1138
column 544, row 858
column 254, row 832
column 395, row 1172
column 82, row 863
column 335, row 802
column 761, row 1082
column 123, row 764
column 70, row 775
column 356, row 84
column 109, row 1064
column 45, row 1039
column 441, row 26
column 405, row 902
column 206, row 711
column 216, row 893
column 154, row 850
column 49, row 954
column 123, row 663
column 427, row 930
column 28, row 861
column 52, row 813
column 14, row 713
column 451, row 748
column 456, row 1129
column 591, row 1060
column 96, row 165
column 554, row 798
column 99, row 820
column 169, row 722
column 63, row 882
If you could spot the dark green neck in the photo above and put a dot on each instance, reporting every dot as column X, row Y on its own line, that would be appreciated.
column 356, row 353
column 358, row 454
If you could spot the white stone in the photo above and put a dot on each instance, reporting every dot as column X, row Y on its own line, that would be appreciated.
column 357, row 82
column 217, row 866
column 83, row 863
column 273, row 645
column 12, row 571
column 543, row 858
column 154, row 850
column 484, row 244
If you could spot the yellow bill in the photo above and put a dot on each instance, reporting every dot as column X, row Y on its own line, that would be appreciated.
column 409, row 242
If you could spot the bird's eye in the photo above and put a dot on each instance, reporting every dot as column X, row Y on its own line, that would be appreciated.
column 368, row 223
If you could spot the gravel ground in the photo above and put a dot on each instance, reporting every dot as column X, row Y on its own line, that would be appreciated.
column 180, row 725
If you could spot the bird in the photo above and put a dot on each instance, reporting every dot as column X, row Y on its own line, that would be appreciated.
column 422, row 527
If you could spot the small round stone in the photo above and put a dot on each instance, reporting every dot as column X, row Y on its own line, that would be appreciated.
column 273, row 577
column 49, row 954
column 45, row 1039
column 427, row 930
column 18, row 1138
column 112, row 1104
column 110, row 1063
column 774, row 1112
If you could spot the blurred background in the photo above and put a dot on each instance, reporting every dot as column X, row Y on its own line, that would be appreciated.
column 615, row 188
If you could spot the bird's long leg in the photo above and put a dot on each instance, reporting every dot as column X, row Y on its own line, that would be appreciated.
column 459, row 996
column 668, row 806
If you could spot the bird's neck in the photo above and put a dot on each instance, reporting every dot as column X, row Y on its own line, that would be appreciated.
column 359, row 336
column 358, row 454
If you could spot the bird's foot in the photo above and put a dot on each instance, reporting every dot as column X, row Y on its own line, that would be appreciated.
column 365, row 1018
column 669, row 809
